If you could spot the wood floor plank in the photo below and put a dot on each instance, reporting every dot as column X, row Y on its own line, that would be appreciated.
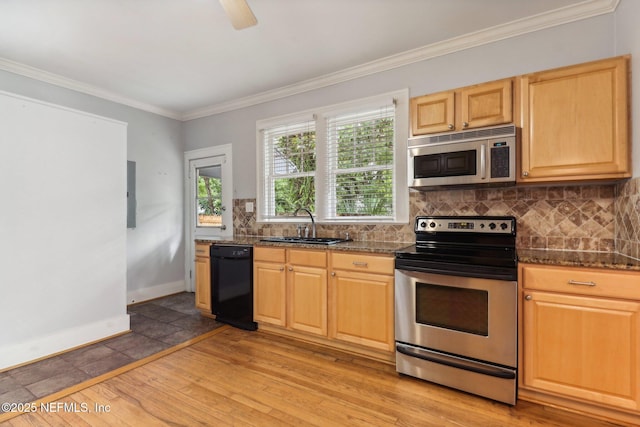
column 258, row 379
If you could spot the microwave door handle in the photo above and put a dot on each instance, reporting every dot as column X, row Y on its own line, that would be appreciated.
column 483, row 161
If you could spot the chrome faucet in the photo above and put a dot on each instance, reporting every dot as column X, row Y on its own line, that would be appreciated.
column 313, row 223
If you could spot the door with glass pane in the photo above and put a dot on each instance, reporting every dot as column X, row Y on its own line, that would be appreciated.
column 211, row 210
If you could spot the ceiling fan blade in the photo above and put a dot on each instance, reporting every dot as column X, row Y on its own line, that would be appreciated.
column 239, row 13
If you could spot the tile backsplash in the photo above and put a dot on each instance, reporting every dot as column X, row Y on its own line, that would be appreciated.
column 567, row 217
column 628, row 218
column 602, row 217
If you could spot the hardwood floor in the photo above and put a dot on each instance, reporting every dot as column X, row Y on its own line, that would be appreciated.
column 244, row 378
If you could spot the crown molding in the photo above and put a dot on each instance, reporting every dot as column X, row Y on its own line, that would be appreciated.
column 67, row 83
column 565, row 15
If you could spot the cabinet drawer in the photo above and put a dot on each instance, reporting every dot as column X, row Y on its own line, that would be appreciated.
column 361, row 262
column 202, row 249
column 268, row 254
column 309, row 258
column 583, row 281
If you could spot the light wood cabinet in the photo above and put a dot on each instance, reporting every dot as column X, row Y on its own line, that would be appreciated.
column 580, row 338
column 203, row 277
column 269, row 286
column 290, row 288
column 575, row 123
column 361, row 300
column 470, row 107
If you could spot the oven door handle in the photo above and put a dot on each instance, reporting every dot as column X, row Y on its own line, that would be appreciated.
column 455, row 362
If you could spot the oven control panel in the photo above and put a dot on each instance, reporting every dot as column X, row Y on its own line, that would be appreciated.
column 489, row 224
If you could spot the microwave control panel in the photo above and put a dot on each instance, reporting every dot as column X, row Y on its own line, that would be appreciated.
column 500, row 160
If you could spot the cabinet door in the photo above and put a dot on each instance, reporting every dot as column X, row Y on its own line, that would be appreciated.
column 269, row 293
column 362, row 309
column 432, row 113
column 583, row 347
column 307, row 299
column 486, row 104
column 575, row 123
column 203, row 284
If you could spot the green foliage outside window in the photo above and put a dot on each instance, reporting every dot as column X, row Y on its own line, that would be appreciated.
column 209, row 196
column 365, row 152
column 363, row 174
column 295, row 154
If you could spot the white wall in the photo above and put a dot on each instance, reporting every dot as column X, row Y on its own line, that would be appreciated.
column 568, row 44
column 628, row 41
column 63, row 237
column 155, row 249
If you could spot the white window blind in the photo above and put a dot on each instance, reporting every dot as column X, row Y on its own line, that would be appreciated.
column 289, row 168
column 345, row 162
column 360, row 162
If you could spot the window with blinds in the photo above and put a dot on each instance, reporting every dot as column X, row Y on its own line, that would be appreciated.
column 345, row 163
column 290, row 168
column 360, row 159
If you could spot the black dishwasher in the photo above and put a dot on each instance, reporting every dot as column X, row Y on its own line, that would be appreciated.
column 232, row 285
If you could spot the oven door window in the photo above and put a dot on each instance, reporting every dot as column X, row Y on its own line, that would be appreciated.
column 457, row 163
column 459, row 309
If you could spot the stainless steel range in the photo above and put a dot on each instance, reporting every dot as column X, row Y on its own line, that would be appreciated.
column 456, row 305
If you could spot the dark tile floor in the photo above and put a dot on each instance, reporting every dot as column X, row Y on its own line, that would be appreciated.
column 155, row 326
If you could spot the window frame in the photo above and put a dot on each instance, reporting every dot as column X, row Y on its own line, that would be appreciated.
column 320, row 116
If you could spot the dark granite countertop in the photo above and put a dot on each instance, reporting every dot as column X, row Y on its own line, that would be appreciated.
column 609, row 260
column 352, row 246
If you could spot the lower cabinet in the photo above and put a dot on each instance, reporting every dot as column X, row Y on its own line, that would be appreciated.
column 361, row 304
column 203, row 277
column 269, row 286
column 290, row 288
column 581, row 338
column 341, row 298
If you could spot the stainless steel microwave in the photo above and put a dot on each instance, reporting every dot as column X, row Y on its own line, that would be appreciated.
column 484, row 156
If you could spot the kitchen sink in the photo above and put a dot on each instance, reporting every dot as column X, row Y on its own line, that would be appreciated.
column 306, row 240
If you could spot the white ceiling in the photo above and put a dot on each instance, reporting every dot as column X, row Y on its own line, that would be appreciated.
column 183, row 59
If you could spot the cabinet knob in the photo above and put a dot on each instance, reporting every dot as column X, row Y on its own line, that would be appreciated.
column 290, row 268
column 450, row 126
column 525, row 173
column 465, row 124
column 528, row 297
column 281, row 268
column 333, row 273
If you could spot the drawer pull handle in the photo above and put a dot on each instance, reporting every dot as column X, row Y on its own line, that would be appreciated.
column 360, row 263
column 576, row 282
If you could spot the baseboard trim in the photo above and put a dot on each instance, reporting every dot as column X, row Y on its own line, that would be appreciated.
column 158, row 291
column 46, row 345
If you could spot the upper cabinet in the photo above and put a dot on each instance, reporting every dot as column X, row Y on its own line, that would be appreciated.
column 470, row 107
column 575, row 123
